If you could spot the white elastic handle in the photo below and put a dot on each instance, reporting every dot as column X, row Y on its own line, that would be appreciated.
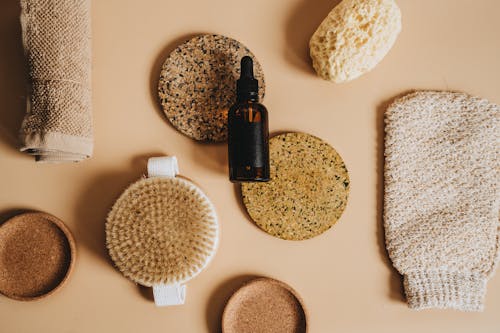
column 166, row 295
column 172, row 294
column 165, row 166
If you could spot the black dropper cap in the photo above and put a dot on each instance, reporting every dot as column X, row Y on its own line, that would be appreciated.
column 247, row 87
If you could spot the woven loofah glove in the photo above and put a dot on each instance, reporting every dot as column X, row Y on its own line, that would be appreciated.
column 442, row 197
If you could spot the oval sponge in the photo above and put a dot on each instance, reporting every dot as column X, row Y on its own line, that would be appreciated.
column 354, row 38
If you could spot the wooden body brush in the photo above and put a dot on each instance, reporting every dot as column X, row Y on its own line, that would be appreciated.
column 162, row 231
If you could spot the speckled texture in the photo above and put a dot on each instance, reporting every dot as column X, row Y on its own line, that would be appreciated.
column 266, row 306
column 198, row 85
column 162, row 230
column 37, row 255
column 308, row 190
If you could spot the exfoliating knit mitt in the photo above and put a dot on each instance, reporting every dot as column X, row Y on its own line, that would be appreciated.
column 56, row 37
column 441, row 200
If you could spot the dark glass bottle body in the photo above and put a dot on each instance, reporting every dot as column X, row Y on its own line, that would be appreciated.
column 248, row 142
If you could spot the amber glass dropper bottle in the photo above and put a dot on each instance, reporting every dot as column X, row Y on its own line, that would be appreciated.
column 248, row 142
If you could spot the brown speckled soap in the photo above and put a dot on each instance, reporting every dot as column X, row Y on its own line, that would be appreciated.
column 266, row 306
column 308, row 190
column 37, row 254
column 198, row 85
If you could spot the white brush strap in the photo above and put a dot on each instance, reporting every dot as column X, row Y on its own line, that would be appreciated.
column 169, row 294
column 166, row 294
column 165, row 166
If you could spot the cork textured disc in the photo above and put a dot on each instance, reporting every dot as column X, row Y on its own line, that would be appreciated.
column 307, row 192
column 162, row 230
column 37, row 253
column 198, row 85
column 266, row 306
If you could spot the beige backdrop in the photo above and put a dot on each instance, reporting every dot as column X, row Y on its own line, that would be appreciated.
column 344, row 275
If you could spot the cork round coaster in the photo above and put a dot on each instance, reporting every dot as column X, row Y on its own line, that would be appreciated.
column 162, row 230
column 307, row 192
column 264, row 305
column 198, row 85
column 37, row 254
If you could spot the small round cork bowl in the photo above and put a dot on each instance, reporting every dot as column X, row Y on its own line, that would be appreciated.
column 37, row 255
column 264, row 305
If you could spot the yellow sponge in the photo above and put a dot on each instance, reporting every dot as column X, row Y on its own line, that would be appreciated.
column 354, row 38
column 162, row 231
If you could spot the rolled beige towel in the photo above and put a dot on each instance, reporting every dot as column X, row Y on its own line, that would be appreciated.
column 58, row 123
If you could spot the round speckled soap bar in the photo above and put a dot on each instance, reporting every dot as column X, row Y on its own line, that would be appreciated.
column 198, row 85
column 308, row 190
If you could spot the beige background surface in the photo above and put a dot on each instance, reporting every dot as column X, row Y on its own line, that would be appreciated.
column 344, row 275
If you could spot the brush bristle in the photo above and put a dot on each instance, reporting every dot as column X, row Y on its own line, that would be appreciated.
column 161, row 230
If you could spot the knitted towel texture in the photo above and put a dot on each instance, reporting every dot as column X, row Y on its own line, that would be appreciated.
column 56, row 37
column 442, row 197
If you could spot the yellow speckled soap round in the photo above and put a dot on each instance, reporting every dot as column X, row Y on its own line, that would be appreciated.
column 308, row 190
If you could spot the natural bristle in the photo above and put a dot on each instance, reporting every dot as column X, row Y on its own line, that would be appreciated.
column 161, row 230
